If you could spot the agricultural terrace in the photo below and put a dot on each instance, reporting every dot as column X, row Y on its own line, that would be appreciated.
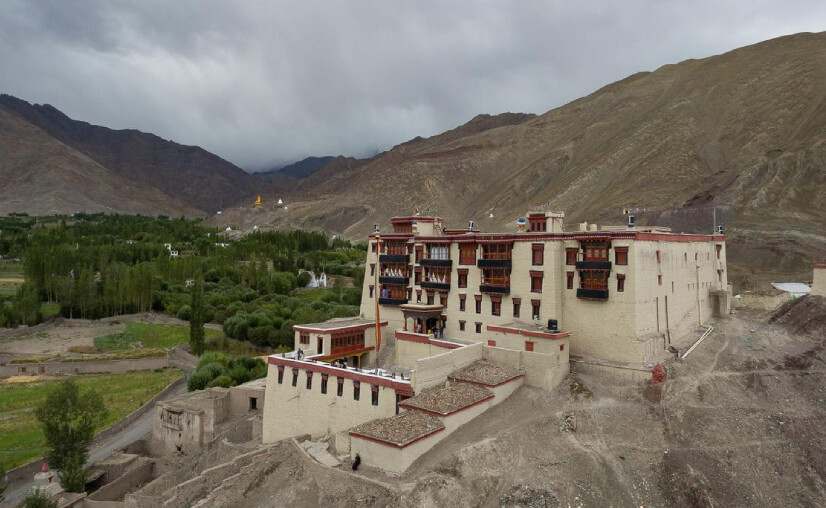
column 21, row 438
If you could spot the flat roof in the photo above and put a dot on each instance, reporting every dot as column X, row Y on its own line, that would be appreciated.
column 793, row 287
column 401, row 429
column 486, row 372
column 449, row 399
column 339, row 323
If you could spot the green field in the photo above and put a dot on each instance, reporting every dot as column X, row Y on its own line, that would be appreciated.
column 11, row 278
column 149, row 336
column 50, row 309
column 21, row 438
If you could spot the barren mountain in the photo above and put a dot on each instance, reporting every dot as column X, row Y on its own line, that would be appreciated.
column 192, row 176
column 743, row 132
column 40, row 175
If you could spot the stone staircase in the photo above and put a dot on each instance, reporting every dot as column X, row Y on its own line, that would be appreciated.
column 387, row 354
column 198, row 491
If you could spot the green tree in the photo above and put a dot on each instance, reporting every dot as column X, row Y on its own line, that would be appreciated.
column 69, row 419
column 37, row 499
column 196, row 319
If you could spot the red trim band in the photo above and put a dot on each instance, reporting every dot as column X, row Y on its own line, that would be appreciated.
column 528, row 333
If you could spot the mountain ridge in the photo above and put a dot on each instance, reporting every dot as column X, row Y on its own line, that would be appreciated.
column 188, row 174
column 743, row 132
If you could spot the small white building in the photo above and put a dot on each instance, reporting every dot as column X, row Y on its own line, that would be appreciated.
column 794, row 289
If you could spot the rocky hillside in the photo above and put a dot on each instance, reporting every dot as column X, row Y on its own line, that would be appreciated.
column 40, row 175
column 744, row 132
column 192, row 177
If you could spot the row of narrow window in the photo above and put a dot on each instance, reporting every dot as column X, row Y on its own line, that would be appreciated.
column 340, row 385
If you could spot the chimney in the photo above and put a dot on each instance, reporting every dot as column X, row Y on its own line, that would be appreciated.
column 630, row 221
column 470, row 225
column 719, row 229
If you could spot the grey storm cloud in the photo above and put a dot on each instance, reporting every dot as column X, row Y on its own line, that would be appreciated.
column 267, row 82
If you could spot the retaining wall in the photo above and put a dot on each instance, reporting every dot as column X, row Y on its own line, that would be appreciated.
column 70, row 368
column 123, row 484
column 433, row 371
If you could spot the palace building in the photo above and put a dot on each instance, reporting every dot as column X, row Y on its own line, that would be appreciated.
column 622, row 293
column 452, row 321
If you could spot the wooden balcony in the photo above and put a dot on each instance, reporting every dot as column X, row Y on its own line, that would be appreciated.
column 493, row 263
column 394, row 258
column 392, row 301
column 394, row 280
column 436, row 262
column 593, row 265
column 495, row 289
column 592, row 294
column 435, row 285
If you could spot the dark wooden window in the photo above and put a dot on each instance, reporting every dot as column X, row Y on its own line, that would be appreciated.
column 570, row 277
column 538, row 254
column 536, row 282
column 443, row 299
column 371, row 290
column 596, row 251
column 324, row 378
column 570, row 256
column 719, row 249
column 535, row 309
column 620, row 283
column 430, row 297
column 621, row 255
column 660, row 280
column 478, row 327
column 517, row 304
column 417, row 275
column 304, row 338
column 462, row 326
column 658, row 256
column 356, row 390
column 374, row 389
column 593, row 279
column 348, row 340
column 309, row 379
column 280, row 374
column 462, row 302
column 528, row 345
column 419, row 253
column 418, row 296
column 463, row 278
column 467, row 254
column 496, row 306
column 295, row 377
column 478, row 304
column 340, row 390
column 538, row 223
column 492, row 343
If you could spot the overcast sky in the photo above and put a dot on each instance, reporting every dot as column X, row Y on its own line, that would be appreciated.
column 262, row 83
